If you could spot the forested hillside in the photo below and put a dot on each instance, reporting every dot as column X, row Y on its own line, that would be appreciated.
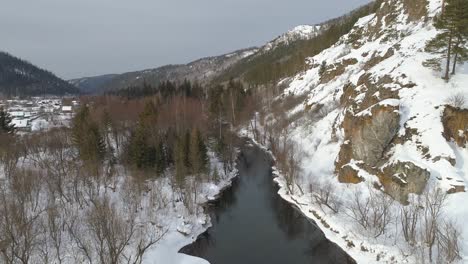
column 21, row 78
column 202, row 71
column 92, row 85
column 268, row 66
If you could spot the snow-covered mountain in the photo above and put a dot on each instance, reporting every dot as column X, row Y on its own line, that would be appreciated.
column 202, row 71
column 302, row 32
column 373, row 119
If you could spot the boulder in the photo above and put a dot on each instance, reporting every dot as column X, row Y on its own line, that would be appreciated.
column 402, row 178
column 455, row 121
column 349, row 175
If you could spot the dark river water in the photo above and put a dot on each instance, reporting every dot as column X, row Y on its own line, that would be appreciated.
column 253, row 225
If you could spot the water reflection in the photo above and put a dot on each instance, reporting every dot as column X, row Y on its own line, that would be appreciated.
column 253, row 225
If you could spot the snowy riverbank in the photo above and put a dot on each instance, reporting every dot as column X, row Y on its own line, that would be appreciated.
column 183, row 228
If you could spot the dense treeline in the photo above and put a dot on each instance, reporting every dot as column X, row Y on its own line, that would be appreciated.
column 287, row 60
column 164, row 89
column 21, row 78
column 155, row 128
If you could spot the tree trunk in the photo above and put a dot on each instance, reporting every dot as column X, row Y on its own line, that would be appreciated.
column 455, row 59
column 449, row 54
column 443, row 7
column 232, row 108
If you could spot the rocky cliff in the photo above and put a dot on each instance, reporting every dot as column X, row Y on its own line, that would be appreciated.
column 393, row 120
column 390, row 124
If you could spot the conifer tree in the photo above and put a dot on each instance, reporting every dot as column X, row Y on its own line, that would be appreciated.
column 195, row 153
column 460, row 49
column 161, row 161
column 323, row 68
column 140, row 152
column 180, row 168
column 216, row 106
column 198, row 156
column 186, row 149
column 87, row 137
column 451, row 41
column 5, row 123
column 215, row 176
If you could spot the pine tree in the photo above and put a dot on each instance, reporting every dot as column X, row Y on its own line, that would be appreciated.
column 198, row 156
column 204, row 160
column 161, row 160
column 180, row 168
column 451, row 41
column 323, row 68
column 140, row 154
column 216, row 106
column 215, row 176
column 460, row 9
column 6, row 127
column 87, row 137
column 195, row 152
column 186, row 149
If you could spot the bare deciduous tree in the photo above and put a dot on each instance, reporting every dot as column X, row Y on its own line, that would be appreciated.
column 324, row 194
column 111, row 230
column 409, row 218
column 372, row 212
column 448, row 242
column 433, row 202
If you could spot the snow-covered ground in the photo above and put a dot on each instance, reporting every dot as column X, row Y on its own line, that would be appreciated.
column 182, row 227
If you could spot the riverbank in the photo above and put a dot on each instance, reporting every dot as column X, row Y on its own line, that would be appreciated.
column 337, row 227
column 253, row 224
column 182, row 228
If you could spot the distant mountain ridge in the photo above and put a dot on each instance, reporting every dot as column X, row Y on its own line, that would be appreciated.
column 283, row 56
column 201, row 71
column 88, row 85
column 21, row 78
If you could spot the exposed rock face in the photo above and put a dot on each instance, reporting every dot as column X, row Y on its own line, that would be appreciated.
column 402, row 178
column 387, row 108
column 368, row 136
column 416, row 9
column 348, row 174
column 456, row 189
column 376, row 58
column 336, row 69
column 371, row 126
column 455, row 122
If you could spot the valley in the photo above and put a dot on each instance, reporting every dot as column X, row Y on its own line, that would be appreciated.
column 340, row 142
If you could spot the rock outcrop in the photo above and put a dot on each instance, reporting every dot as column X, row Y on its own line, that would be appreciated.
column 402, row 178
column 367, row 136
column 455, row 121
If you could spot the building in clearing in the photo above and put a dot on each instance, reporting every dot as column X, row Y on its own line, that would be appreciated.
column 21, row 124
column 67, row 108
column 17, row 114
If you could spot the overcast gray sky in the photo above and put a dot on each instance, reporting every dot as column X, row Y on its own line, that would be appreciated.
column 76, row 38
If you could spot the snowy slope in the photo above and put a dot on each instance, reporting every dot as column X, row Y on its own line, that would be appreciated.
column 301, row 32
column 376, row 74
